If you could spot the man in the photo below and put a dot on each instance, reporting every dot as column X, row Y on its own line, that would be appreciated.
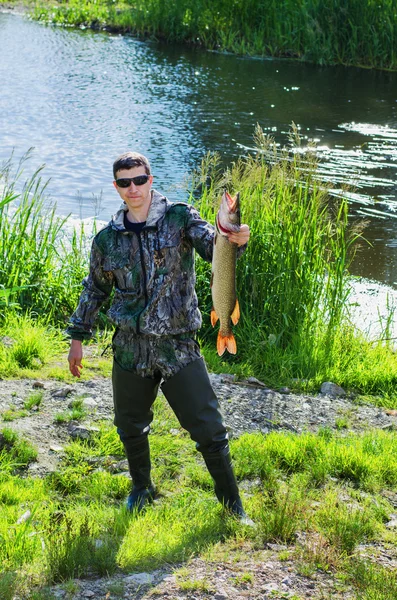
column 147, row 254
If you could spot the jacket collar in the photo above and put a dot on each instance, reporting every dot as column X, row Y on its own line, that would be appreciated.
column 158, row 207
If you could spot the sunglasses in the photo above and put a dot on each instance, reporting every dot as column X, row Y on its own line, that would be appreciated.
column 125, row 182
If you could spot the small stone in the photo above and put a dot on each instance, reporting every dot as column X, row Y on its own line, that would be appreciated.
column 388, row 427
column 392, row 524
column 276, row 547
column 88, row 594
column 169, row 578
column 55, row 448
column 332, row 389
column 62, row 393
column 139, row 578
column 284, row 390
column 255, row 381
column 7, row 341
column 89, row 403
column 228, row 378
column 26, row 515
column 80, row 432
column 270, row 587
column 37, row 385
column 391, row 412
column 174, row 431
column 221, row 595
column 119, row 466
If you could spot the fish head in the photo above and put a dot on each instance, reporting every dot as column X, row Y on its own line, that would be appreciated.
column 228, row 218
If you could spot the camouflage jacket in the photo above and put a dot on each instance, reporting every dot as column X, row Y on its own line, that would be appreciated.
column 152, row 272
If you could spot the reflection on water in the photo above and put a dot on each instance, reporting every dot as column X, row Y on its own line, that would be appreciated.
column 81, row 98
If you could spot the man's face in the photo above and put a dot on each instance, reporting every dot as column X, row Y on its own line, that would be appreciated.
column 135, row 196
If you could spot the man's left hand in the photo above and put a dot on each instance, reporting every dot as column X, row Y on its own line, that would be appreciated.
column 241, row 237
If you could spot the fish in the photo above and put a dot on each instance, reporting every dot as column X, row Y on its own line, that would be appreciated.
column 225, row 307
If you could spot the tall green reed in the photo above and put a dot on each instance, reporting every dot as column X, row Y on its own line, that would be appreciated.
column 41, row 271
column 292, row 283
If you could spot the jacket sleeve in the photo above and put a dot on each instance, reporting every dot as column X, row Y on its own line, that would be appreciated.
column 201, row 234
column 97, row 288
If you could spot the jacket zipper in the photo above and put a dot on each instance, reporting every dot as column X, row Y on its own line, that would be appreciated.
column 144, row 283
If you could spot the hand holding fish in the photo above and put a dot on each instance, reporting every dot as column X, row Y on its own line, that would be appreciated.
column 240, row 237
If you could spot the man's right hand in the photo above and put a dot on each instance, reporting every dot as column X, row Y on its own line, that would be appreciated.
column 75, row 357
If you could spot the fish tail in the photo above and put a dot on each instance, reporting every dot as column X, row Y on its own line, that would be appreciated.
column 226, row 342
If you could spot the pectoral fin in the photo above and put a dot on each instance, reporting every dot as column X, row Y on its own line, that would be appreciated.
column 236, row 313
column 214, row 317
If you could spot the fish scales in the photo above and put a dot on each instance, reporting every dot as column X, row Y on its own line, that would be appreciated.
column 223, row 278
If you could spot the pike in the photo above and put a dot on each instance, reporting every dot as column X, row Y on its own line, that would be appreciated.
column 223, row 278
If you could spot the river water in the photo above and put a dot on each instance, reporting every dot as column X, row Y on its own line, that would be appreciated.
column 81, row 98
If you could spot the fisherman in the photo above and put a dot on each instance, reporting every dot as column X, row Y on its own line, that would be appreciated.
column 146, row 253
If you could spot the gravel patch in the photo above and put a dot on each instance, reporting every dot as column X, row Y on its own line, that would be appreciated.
column 246, row 407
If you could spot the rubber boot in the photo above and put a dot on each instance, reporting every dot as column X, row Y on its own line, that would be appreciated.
column 138, row 456
column 194, row 402
column 219, row 465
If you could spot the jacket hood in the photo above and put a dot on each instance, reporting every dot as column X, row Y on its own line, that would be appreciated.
column 158, row 208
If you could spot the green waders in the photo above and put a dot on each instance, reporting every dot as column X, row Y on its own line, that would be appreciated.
column 133, row 398
column 190, row 395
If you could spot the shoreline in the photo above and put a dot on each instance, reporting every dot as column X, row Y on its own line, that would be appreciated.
column 95, row 24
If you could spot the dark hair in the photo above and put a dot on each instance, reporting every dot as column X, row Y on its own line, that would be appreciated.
column 128, row 160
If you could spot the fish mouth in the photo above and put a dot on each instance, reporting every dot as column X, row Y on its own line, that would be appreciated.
column 224, row 230
column 232, row 203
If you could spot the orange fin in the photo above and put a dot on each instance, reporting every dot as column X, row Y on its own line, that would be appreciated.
column 236, row 313
column 226, row 342
column 214, row 317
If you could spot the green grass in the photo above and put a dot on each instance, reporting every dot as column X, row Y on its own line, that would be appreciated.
column 14, row 452
column 34, row 400
column 32, row 344
column 293, row 281
column 12, row 414
column 358, row 32
column 374, row 583
column 77, row 412
column 329, row 487
column 41, row 270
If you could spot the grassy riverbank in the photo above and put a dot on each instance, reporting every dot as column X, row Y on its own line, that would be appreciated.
column 327, row 497
column 293, row 284
column 321, row 495
column 354, row 32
